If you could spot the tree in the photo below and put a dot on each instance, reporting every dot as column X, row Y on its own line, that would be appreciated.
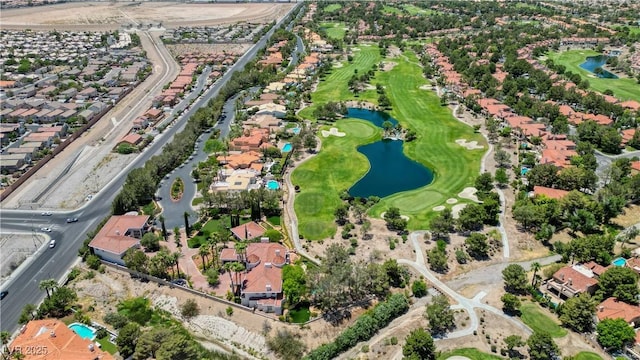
column 437, row 259
column 471, row 218
column 535, row 266
column 477, row 245
column 165, row 234
column 484, row 182
column 542, row 346
column 127, row 338
column 150, row 341
column 440, row 315
column 5, row 337
column 419, row 345
column 512, row 342
column 577, row 313
column 178, row 346
column 442, row 224
column 27, row 314
column 419, row 288
column 203, row 251
column 287, row 345
column 187, row 229
column 136, row 260
column 621, row 283
column 294, row 283
column 150, row 242
column 190, row 309
column 614, row 334
column 394, row 219
column 510, row 304
column 502, row 158
column 48, row 284
column 515, row 279
column 501, row 177
column 397, row 274
column 213, row 277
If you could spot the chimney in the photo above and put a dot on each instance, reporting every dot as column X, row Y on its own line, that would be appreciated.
column 562, row 277
column 117, row 232
column 269, row 287
column 601, row 308
column 570, row 281
column 278, row 252
column 91, row 348
column 267, row 265
column 52, row 334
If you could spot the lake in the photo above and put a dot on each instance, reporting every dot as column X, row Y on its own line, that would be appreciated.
column 391, row 170
column 594, row 62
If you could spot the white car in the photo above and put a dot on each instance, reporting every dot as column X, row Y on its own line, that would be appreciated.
column 52, row 244
column 46, row 213
column 45, row 229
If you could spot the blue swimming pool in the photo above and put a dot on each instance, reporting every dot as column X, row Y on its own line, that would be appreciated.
column 287, row 147
column 84, row 331
column 273, row 185
column 524, row 171
column 619, row 262
column 296, row 130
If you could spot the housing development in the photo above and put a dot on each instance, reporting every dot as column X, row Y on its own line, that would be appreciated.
column 320, row 180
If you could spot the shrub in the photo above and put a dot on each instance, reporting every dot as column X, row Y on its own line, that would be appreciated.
column 229, row 310
column 190, row 309
column 101, row 333
column 419, row 288
column 116, row 320
column 93, row 262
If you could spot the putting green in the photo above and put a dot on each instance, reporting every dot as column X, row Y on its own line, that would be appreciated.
column 338, row 165
column 623, row 89
column 335, row 30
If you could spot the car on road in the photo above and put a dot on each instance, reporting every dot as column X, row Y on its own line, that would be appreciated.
column 45, row 229
column 72, row 220
column 3, row 294
column 46, row 213
column 52, row 244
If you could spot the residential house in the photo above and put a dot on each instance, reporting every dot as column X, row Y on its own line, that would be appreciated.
column 132, row 139
column 248, row 231
column 54, row 341
column 613, row 308
column 549, row 192
column 118, row 235
column 261, row 282
column 571, row 281
column 272, row 109
column 237, row 180
column 11, row 163
column 253, row 139
column 244, row 160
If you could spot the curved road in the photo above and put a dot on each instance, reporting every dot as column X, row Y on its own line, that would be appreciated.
column 23, row 286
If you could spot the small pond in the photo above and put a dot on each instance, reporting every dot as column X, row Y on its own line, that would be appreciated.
column 597, row 62
column 391, row 170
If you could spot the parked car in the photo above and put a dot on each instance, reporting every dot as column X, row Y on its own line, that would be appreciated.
column 3, row 294
column 46, row 213
column 72, row 220
column 52, row 244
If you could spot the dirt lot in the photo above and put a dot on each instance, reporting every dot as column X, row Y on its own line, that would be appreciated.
column 179, row 49
column 112, row 15
column 15, row 250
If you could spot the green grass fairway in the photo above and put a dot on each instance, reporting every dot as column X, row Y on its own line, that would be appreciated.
column 454, row 167
column 414, row 10
column 391, row 10
column 338, row 166
column 473, row 354
column 537, row 320
column 332, row 8
column 335, row 88
column 335, row 30
column 585, row 355
column 623, row 89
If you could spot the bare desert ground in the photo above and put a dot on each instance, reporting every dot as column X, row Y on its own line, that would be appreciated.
column 112, row 15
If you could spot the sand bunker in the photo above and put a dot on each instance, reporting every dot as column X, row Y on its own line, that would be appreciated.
column 472, row 145
column 439, row 208
column 337, row 64
column 457, row 357
column 469, row 193
column 333, row 131
column 401, row 216
column 452, row 201
column 388, row 65
column 425, row 87
column 455, row 210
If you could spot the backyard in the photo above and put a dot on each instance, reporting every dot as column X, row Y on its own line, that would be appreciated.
column 623, row 88
column 537, row 320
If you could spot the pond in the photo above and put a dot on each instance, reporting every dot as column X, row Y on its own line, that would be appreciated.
column 391, row 170
column 597, row 62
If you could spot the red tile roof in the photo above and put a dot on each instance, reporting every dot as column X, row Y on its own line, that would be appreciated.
column 112, row 237
column 574, row 279
column 549, row 192
column 250, row 230
column 613, row 308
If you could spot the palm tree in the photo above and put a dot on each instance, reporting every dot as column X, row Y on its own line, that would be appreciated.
column 535, row 266
column 5, row 336
column 48, row 284
column 164, row 228
column 235, row 267
column 213, row 247
column 203, row 251
column 175, row 257
column 241, row 249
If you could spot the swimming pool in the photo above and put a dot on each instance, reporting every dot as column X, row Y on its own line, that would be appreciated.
column 84, row 331
column 619, row 262
column 273, row 185
column 296, row 130
column 287, row 147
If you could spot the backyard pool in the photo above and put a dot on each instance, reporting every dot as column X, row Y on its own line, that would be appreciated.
column 273, row 185
column 296, row 130
column 84, row 331
column 620, row 262
column 286, row 147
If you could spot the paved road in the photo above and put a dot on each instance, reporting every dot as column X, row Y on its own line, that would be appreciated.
column 23, row 287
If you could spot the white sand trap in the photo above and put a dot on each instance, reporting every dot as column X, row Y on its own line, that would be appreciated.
column 469, row 193
column 425, row 87
column 388, row 65
column 455, row 210
column 472, row 145
column 452, row 201
column 337, row 65
column 333, row 131
column 401, row 216
column 439, row 208
column 457, row 357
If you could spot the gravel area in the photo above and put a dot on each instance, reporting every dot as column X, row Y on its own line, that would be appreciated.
column 14, row 250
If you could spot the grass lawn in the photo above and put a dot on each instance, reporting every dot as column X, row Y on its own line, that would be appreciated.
column 335, row 30
column 212, row 226
column 391, row 10
column 585, row 355
column 274, row 220
column 336, row 167
column 107, row 345
column 300, row 314
column 623, row 89
column 339, row 165
column 473, row 354
column 537, row 320
column 332, row 8
column 414, row 10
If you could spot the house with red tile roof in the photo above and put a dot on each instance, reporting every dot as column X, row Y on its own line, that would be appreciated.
column 549, row 192
column 51, row 339
column 627, row 135
column 635, row 167
column 261, row 282
column 250, row 230
column 572, row 281
column 241, row 161
column 613, row 308
column 253, row 139
column 631, row 105
column 118, row 235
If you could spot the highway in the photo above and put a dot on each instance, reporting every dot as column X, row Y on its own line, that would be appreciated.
column 53, row 263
